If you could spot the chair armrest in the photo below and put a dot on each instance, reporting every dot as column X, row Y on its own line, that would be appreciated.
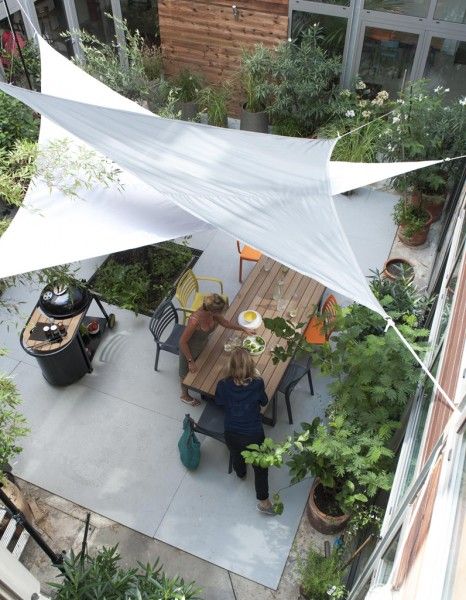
column 214, row 279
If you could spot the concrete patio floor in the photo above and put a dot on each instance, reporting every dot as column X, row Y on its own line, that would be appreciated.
column 108, row 442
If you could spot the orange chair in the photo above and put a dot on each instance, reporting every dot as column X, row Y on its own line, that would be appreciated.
column 320, row 327
column 247, row 253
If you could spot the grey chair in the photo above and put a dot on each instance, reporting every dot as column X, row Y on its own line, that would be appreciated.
column 211, row 424
column 164, row 315
column 295, row 371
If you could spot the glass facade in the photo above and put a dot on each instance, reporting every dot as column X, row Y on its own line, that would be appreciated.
column 143, row 17
column 92, row 18
column 453, row 11
column 387, row 59
column 333, row 29
column 52, row 22
column 446, row 65
column 415, row 8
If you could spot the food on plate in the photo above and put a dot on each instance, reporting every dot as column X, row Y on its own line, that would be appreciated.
column 254, row 344
column 250, row 315
column 93, row 327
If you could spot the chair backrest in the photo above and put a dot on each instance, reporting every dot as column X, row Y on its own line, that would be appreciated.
column 163, row 315
column 238, row 245
column 186, row 288
column 329, row 312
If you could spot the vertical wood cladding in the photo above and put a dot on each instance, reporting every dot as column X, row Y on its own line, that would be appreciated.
column 206, row 37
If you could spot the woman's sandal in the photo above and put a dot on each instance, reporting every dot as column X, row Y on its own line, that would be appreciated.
column 191, row 401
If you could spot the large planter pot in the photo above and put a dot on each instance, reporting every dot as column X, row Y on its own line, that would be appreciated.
column 396, row 268
column 189, row 111
column 254, row 121
column 433, row 203
column 322, row 522
column 418, row 238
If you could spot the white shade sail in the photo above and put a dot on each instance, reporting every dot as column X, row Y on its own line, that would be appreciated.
column 271, row 192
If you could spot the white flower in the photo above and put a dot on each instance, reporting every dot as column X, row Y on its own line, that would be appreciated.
column 366, row 114
column 400, row 101
column 346, row 93
column 377, row 101
column 362, row 103
column 396, row 119
column 462, row 101
column 331, row 590
column 438, row 89
column 447, row 90
column 349, row 113
column 383, row 95
column 360, row 85
column 290, row 40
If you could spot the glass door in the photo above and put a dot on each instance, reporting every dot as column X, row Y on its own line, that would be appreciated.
column 387, row 57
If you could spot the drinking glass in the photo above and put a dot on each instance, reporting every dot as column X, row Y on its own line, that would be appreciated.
column 293, row 306
column 268, row 264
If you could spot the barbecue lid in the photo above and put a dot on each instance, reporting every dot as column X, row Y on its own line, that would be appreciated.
column 64, row 301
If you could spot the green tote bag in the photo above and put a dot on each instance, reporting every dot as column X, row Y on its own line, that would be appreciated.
column 189, row 446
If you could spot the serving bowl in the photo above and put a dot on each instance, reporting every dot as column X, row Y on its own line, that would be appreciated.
column 250, row 319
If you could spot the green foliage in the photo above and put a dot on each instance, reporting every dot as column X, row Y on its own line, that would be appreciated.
column 139, row 279
column 302, row 84
column 60, row 164
column 214, row 100
column 102, row 61
column 152, row 64
column 348, row 458
column 4, row 224
column 12, row 423
column 413, row 218
column 14, row 73
column 425, row 127
column 255, row 75
column 321, row 577
column 17, row 122
column 366, row 519
column 101, row 577
column 187, row 85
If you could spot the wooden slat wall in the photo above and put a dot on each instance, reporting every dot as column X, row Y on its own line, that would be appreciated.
column 205, row 37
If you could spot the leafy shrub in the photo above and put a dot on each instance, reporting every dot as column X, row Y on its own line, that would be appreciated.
column 17, row 122
column 13, row 424
column 322, row 577
column 101, row 577
column 123, row 285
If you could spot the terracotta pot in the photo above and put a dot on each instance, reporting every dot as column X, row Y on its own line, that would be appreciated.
column 396, row 267
column 254, row 121
column 433, row 203
column 418, row 238
column 328, row 524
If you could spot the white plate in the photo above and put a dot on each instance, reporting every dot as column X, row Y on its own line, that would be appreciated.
column 250, row 324
column 254, row 338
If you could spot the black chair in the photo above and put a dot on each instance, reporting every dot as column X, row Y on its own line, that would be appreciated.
column 211, row 424
column 163, row 316
column 293, row 374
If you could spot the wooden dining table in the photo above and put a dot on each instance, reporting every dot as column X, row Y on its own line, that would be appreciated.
column 257, row 293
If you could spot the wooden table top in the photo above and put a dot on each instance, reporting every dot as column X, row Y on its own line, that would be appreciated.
column 257, row 294
column 37, row 346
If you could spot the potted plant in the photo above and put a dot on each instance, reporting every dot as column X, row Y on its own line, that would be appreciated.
column 214, row 101
column 398, row 268
column 321, row 577
column 255, row 74
column 414, row 222
column 187, row 87
column 303, row 85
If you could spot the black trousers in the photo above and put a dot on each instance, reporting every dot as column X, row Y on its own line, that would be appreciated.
column 236, row 443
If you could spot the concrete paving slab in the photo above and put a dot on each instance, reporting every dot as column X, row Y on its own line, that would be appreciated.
column 115, row 458
column 8, row 365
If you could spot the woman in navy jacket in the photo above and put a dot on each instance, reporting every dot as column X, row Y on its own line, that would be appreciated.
column 242, row 394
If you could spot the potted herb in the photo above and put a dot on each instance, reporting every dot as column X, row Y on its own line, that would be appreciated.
column 187, row 87
column 413, row 221
column 399, row 268
column 255, row 74
column 214, row 101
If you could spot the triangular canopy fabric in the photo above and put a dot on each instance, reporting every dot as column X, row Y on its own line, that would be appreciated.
column 272, row 192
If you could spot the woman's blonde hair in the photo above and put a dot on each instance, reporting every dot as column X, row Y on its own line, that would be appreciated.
column 241, row 367
column 214, row 303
